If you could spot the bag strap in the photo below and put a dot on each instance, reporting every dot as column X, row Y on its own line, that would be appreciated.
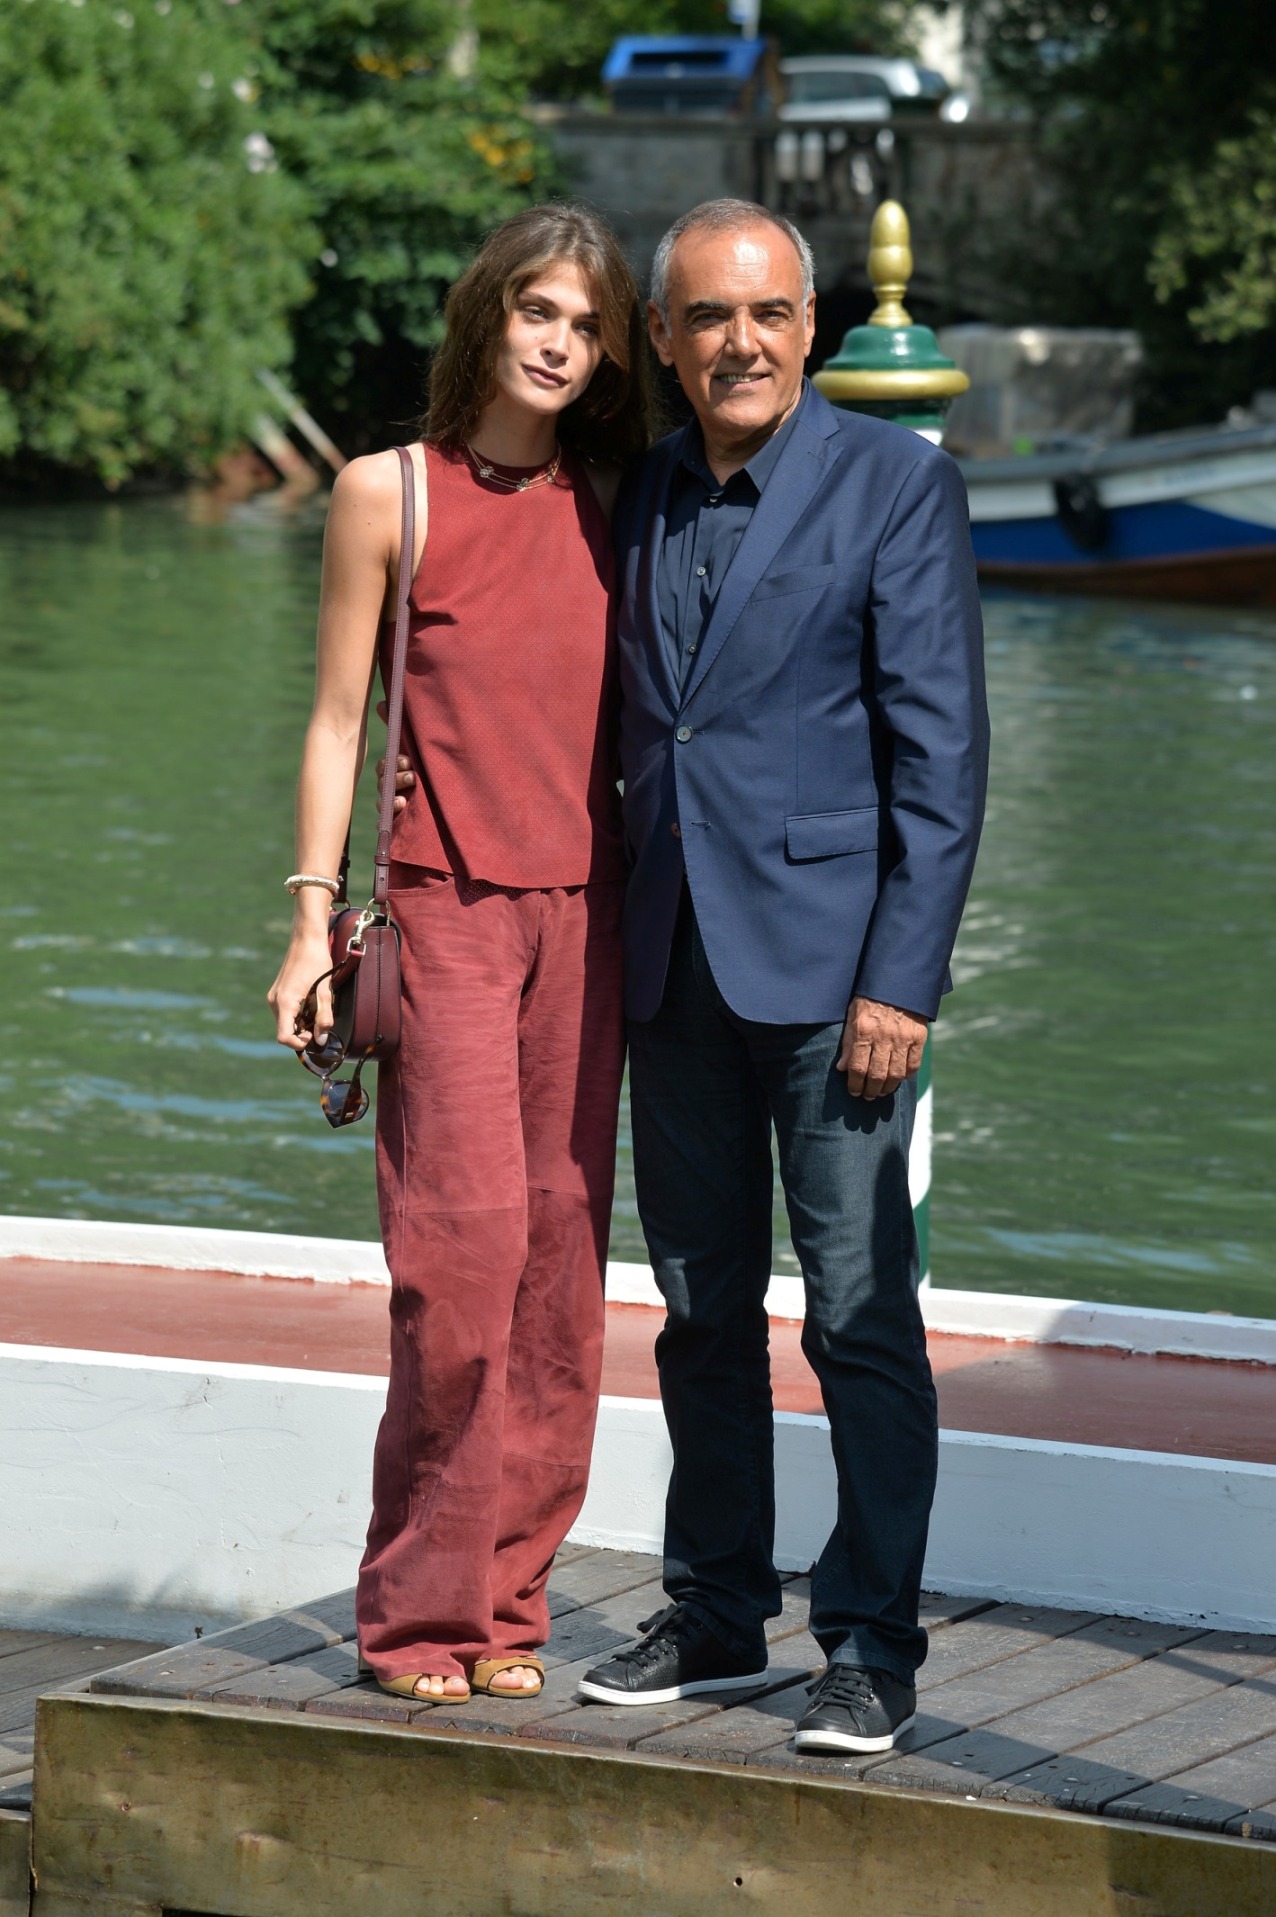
column 398, row 670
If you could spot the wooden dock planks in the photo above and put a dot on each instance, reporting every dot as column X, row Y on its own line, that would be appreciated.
column 1155, row 1734
column 1009, row 1696
column 33, row 1663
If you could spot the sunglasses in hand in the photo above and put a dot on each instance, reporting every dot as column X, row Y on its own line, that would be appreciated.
column 341, row 1100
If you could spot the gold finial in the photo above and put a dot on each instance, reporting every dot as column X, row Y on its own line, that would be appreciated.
column 891, row 366
column 890, row 264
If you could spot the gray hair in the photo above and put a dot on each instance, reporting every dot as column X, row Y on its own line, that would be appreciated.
column 725, row 216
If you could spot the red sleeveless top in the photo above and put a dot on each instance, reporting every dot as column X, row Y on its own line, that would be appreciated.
column 510, row 697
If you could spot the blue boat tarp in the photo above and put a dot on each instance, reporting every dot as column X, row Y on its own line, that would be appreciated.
column 1165, row 528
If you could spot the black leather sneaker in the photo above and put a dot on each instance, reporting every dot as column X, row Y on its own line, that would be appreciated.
column 678, row 1657
column 856, row 1710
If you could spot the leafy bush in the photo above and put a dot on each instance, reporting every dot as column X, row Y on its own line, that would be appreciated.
column 1160, row 120
column 150, row 249
column 407, row 152
column 193, row 189
column 1218, row 243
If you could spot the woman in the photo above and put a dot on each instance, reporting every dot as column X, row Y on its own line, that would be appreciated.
column 496, row 1119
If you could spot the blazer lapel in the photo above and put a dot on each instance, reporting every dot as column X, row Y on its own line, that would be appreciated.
column 799, row 472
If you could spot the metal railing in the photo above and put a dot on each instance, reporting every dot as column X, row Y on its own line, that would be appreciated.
column 805, row 171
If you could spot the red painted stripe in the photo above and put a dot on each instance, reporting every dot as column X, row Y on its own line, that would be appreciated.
column 1191, row 1406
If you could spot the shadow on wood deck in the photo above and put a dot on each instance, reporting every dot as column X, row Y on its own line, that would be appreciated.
column 1063, row 1764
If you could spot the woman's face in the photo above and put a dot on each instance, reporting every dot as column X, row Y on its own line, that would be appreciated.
column 552, row 344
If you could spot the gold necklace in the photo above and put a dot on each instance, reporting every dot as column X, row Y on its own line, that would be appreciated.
column 544, row 478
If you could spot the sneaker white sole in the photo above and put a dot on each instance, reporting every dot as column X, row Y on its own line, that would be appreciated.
column 847, row 1740
column 604, row 1694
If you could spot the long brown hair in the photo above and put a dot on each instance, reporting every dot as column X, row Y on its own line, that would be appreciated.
column 613, row 418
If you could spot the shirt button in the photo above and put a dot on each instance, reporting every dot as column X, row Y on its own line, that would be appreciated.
column 701, row 571
column 682, row 734
column 676, row 829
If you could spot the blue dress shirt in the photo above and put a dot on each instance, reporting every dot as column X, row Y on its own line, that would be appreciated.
column 704, row 523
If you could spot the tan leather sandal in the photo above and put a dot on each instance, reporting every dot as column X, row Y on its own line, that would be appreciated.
column 406, row 1686
column 488, row 1667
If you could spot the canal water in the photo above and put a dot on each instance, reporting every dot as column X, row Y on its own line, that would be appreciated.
column 1104, row 1073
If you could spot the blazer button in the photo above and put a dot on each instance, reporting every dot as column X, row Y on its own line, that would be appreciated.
column 682, row 734
column 676, row 829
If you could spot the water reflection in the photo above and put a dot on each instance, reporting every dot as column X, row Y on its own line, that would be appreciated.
column 1104, row 1077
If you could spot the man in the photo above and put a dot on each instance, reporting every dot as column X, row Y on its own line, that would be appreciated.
column 804, row 747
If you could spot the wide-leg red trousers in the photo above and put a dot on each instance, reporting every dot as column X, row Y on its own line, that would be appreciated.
column 496, row 1140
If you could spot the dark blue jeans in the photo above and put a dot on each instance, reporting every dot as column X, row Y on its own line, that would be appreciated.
column 706, row 1087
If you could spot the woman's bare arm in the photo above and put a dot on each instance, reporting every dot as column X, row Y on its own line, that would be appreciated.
column 360, row 547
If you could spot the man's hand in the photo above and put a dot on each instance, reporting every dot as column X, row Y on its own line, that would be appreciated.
column 404, row 776
column 881, row 1047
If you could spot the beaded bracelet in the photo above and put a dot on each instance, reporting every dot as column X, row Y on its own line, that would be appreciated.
column 296, row 880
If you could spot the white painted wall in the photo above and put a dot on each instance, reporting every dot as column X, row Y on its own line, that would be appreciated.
column 1134, row 1533
column 1140, row 1533
column 156, row 1497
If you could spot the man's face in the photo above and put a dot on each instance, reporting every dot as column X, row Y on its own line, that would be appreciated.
column 738, row 330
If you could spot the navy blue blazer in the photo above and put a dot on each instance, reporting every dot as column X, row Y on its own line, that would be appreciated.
column 826, row 763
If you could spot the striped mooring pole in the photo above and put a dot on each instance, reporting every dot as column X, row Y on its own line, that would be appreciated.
column 894, row 369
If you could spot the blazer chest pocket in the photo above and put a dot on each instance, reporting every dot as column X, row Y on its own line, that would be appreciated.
column 798, row 579
column 830, row 835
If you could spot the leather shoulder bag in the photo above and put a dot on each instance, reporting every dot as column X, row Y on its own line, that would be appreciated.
column 364, row 945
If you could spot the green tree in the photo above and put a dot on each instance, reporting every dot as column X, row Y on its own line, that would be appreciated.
column 186, row 183
column 407, row 152
column 149, row 245
column 1217, row 244
column 1158, row 124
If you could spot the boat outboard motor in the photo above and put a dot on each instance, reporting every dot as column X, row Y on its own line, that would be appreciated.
column 1081, row 512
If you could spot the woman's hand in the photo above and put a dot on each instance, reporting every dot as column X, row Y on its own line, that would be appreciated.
column 307, row 959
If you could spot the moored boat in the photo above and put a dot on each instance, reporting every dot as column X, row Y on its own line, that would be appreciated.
column 1185, row 515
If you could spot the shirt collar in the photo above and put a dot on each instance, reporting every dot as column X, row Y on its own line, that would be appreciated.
column 763, row 463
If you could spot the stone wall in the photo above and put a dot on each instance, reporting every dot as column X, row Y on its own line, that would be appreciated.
column 967, row 189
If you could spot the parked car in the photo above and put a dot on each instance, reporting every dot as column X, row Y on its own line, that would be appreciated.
column 852, row 86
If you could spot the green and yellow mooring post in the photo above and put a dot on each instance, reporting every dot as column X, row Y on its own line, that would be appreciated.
column 894, row 369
